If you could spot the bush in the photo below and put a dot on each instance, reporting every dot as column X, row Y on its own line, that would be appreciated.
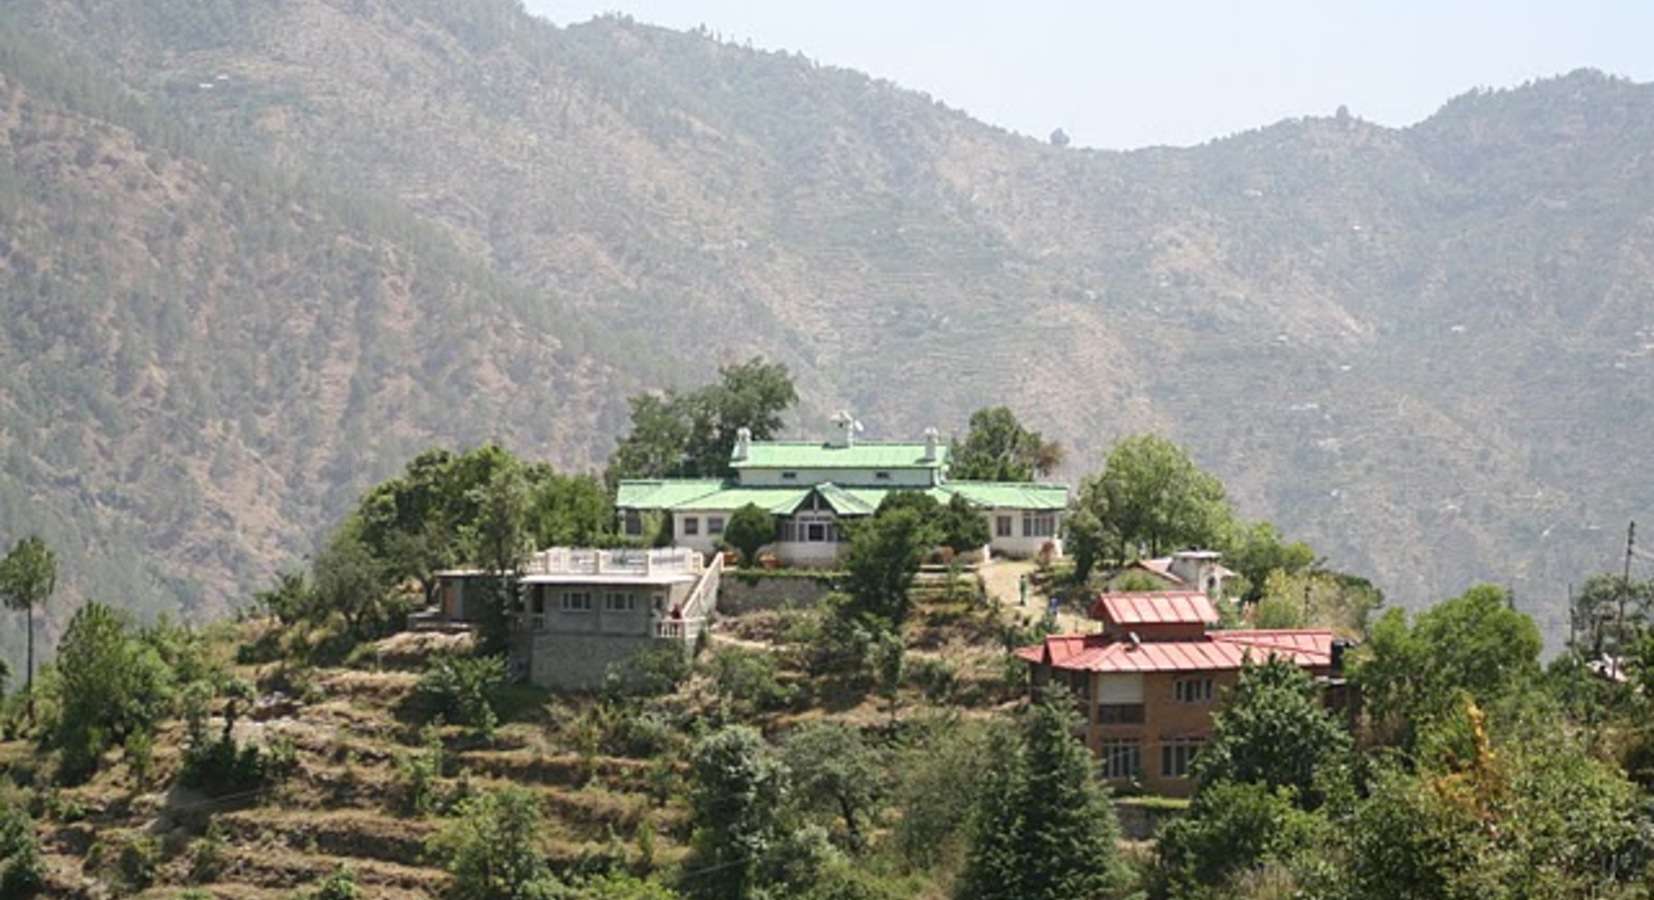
column 420, row 772
column 464, row 690
column 749, row 681
column 22, row 868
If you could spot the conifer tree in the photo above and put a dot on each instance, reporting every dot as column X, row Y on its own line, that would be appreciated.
column 1045, row 828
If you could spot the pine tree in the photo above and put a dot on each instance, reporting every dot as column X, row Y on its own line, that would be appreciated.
column 1045, row 829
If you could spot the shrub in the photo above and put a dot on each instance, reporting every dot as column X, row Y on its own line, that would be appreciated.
column 464, row 690
column 22, row 868
column 749, row 681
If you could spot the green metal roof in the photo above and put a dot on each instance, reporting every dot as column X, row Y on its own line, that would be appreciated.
column 871, row 455
column 721, row 496
column 712, row 496
column 1011, row 494
column 664, row 493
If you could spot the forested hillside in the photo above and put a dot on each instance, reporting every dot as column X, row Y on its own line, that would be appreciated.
column 256, row 253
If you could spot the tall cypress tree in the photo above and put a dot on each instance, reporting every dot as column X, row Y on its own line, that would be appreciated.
column 1044, row 829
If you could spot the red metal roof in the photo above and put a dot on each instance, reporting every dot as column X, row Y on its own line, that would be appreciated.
column 1217, row 651
column 1127, row 608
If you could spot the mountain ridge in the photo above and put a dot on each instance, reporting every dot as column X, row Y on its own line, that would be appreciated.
column 1358, row 328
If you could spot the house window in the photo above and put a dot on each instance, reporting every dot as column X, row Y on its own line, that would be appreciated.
column 1002, row 526
column 632, row 523
column 1176, row 756
column 691, row 526
column 1119, row 713
column 616, row 601
column 1043, row 524
column 881, row 476
column 811, row 530
column 789, row 476
column 1121, row 759
column 1192, row 690
column 714, row 524
column 577, row 601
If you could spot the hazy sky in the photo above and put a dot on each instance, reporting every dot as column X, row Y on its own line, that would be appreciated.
column 1124, row 75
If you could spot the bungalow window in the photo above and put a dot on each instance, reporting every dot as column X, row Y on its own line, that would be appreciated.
column 1176, row 757
column 1193, row 690
column 1121, row 759
column 1002, row 526
column 577, row 601
column 1035, row 524
column 714, row 524
column 789, row 476
column 632, row 523
column 691, row 526
column 616, row 601
column 881, row 476
column 809, row 530
column 1120, row 714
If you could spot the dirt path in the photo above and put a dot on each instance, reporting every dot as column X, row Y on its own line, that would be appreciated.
column 1002, row 579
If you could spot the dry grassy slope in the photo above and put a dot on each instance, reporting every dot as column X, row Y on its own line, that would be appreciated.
column 1399, row 344
column 187, row 394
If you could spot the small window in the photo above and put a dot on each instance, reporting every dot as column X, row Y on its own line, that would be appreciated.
column 1177, row 756
column 1121, row 759
column 789, row 476
column 1193, row 690
column 714, row 524
column 1002, row 526
column 691, row 526
column 577, row 601
column 881, row 476
column 1120, row 714
column 617, row 601
column 1039, row 524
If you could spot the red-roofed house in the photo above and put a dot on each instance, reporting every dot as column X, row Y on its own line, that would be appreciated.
column 1148, row 682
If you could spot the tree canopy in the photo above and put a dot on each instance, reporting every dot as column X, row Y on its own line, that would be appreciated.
column 998, row 448
column 692, row 434
column 1150, row 497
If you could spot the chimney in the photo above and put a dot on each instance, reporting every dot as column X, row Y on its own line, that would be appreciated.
column 846, row 426
column 931, row 449
column 743, row 444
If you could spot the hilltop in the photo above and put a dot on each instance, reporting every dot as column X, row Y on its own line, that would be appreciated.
column 261, row 252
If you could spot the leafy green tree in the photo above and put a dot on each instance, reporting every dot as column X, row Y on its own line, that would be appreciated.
column 656, row 445
column 492, row 848
column 110, row 686
column 736, row 798
column 1151, row 496
column 936, row 783
column 1232, row 828
column 835, row 769
column 750, row 395
column 1256, row 552
column 1320, row 599
column 566, row 510
column 351, row 583
column 1045, row 828
column 748, row 530
column 998, row 448
column 1472, row 646
column 882, row 561
column 963, row 526
column 28, row 576
column 1539, row 817
column 693, row 434
column 499, row 541
column 1274, row 730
